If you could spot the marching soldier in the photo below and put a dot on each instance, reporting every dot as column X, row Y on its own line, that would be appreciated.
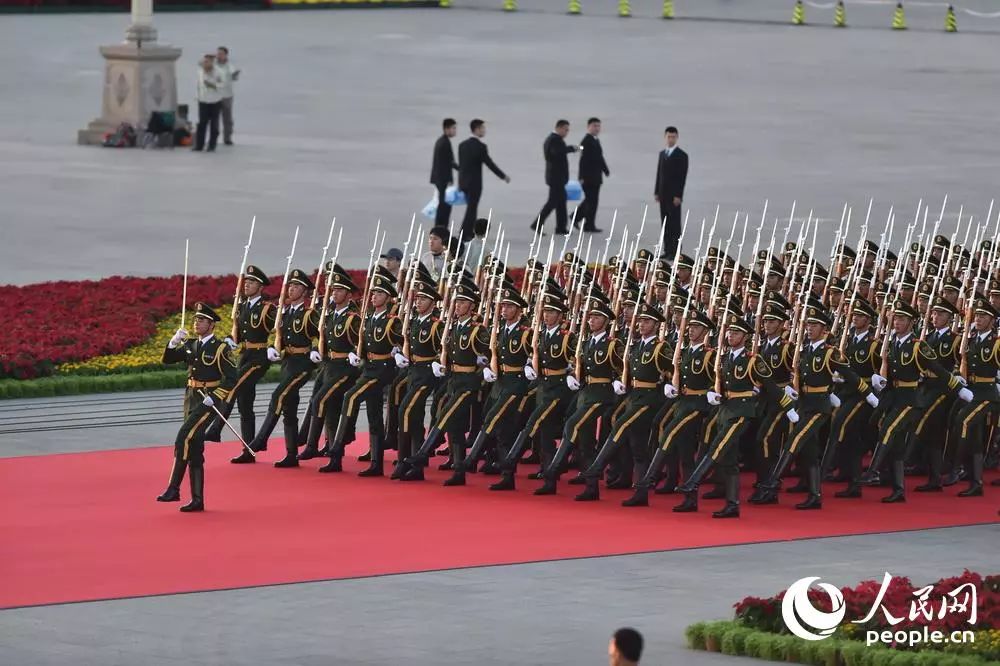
column 252, row 328
column 814, row 405
column 601, row 364
column 555, row 356
column 908, row 360
column 468, row 345
column 969, row 427
column 741, row 373
column 777, row 353
column 684, row 422
column 381, row 332
column 648, row 362
column 421, row 350
column 211, row 376
column 298, row 327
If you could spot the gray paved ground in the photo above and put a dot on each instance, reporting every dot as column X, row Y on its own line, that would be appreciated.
column 337, row 112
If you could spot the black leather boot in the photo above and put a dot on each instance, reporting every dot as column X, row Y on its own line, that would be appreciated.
column 506, row 481
column 549, row 487
column 690, row 484
column 259, row 442
column 291, row 458
column 312, row 439
column 197, row 502
column 933, row 484
column 458, row 461
column 591, row 492
column 303, row 434
column 871, row 477
column 898, row 480
column 690, row 503
column 852, row 491
column 475, row 452
column 245, row 458
column 975, row 488
column 375, row 467
column 814, row 501
column 732, row 508
column 639, row 498
column 173, row 491
column 718, row 491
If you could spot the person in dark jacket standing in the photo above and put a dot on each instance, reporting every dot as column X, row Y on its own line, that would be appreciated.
column 472, row 155
column 671, row 175
column 556, row 176
column 593, row 169
column 441, row 168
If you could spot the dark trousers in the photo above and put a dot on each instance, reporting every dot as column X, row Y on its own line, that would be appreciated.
column 472, row 196
column 443, row 216
column 208, row 118
column 587, row 212
column 672, row 227
column 557, row 203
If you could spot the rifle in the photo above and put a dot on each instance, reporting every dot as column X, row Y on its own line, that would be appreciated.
column 322, row 263
column 406, row 293
column 729, row 298
column 889, row 301
column 852, row 282
column 326, row 296
column 969, row 312
column 284, row 291
column 784, row 238
column 448, row 300
column 802, row 307
column 717, row 277
column 369, row 280
column 498, row 276
column 184, row 287
column 537, row 318
column 239, row 277
column 675, row 378
column 599, row 275
column 578, row 285
column 406, row 247
column 757, row 323
column 838, row 251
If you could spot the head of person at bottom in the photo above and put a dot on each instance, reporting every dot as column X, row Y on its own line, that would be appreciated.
column 625, row 647
column 670, row 136
column 562, row 127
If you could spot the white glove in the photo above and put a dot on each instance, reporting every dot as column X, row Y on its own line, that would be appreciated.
column 669, row 391
column 489, row 376
column 962, row 381
column 402, row 361
column 879, row 382
column 756, row 390
column 272, row 354
column 530, row 373
column 618, row 387
column 395, row 350
column 314, row 356
column 713, row 398
column 791, row 393
column 872, row 400
column 792, row 415
column 354, row 359
column 436, row 367
column 232, row 343
column 834, row 400
column 482, row 361
column 572, row 383
column 178, row 337
column 965, row 394
column 838, row 378
column 208, row 402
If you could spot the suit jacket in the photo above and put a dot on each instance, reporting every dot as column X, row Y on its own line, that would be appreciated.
column 472, row 155
column 443, row 162
column 593, row 168
column 671, row 174
column 556, row 163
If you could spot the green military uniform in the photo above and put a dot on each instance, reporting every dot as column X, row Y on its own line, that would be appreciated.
column 298, row 327
column 649, row 362
column 382, row 331
column 423, row 348
column 970, row 425
column 937, row 401
column 600, row 365
column 211, row 375
column 252, row 328
column 773, row 429
column 680, row 430
column 909, row 360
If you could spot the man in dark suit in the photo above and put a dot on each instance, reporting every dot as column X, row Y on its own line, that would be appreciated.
column 441, row 167
column 472, row 155
column 556, row 176
column 671, row 174
column 593, row 169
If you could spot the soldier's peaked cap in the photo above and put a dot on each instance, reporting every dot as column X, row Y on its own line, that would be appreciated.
column 512, row 297
column 205, row 312
column 255, row 273
column 298, row 276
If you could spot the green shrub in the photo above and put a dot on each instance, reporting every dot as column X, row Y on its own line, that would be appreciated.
column 733, row 640
column 695, row 635
column 713, row 634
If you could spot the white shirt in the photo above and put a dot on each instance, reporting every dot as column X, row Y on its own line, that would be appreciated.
column 815, row 345
column 341, row 310
column 551, row 331
column 597, row 337
column 253, row 301
column 422, row 317
column 901, row 340
column 645, row 340
column 860, row 336
column 667, row 151
column 984, row 335
column 293, row 308
column 736, row 353
column 207, row 338
column 209, row 86
column 225, row 72
column 696, row 347
column 511, row 327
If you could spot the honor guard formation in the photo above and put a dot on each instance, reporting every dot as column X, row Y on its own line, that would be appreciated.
column 658, row 371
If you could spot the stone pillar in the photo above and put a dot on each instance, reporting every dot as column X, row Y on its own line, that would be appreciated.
column 139, row 78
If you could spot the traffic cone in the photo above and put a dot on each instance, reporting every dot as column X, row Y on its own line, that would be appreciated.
column 799, row 13
column 840, row 15
column 509, row 5
column 950, row 23
column 898, row 18
column 574, row 7
column 624, row 9
column 668, row 9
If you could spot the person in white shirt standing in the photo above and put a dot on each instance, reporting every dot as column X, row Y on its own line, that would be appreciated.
column 228, row 75
column 209, row 101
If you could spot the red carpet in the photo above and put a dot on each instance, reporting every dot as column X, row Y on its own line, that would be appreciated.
column 84, row 526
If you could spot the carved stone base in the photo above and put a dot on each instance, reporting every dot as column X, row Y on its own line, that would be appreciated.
column 139, row 78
